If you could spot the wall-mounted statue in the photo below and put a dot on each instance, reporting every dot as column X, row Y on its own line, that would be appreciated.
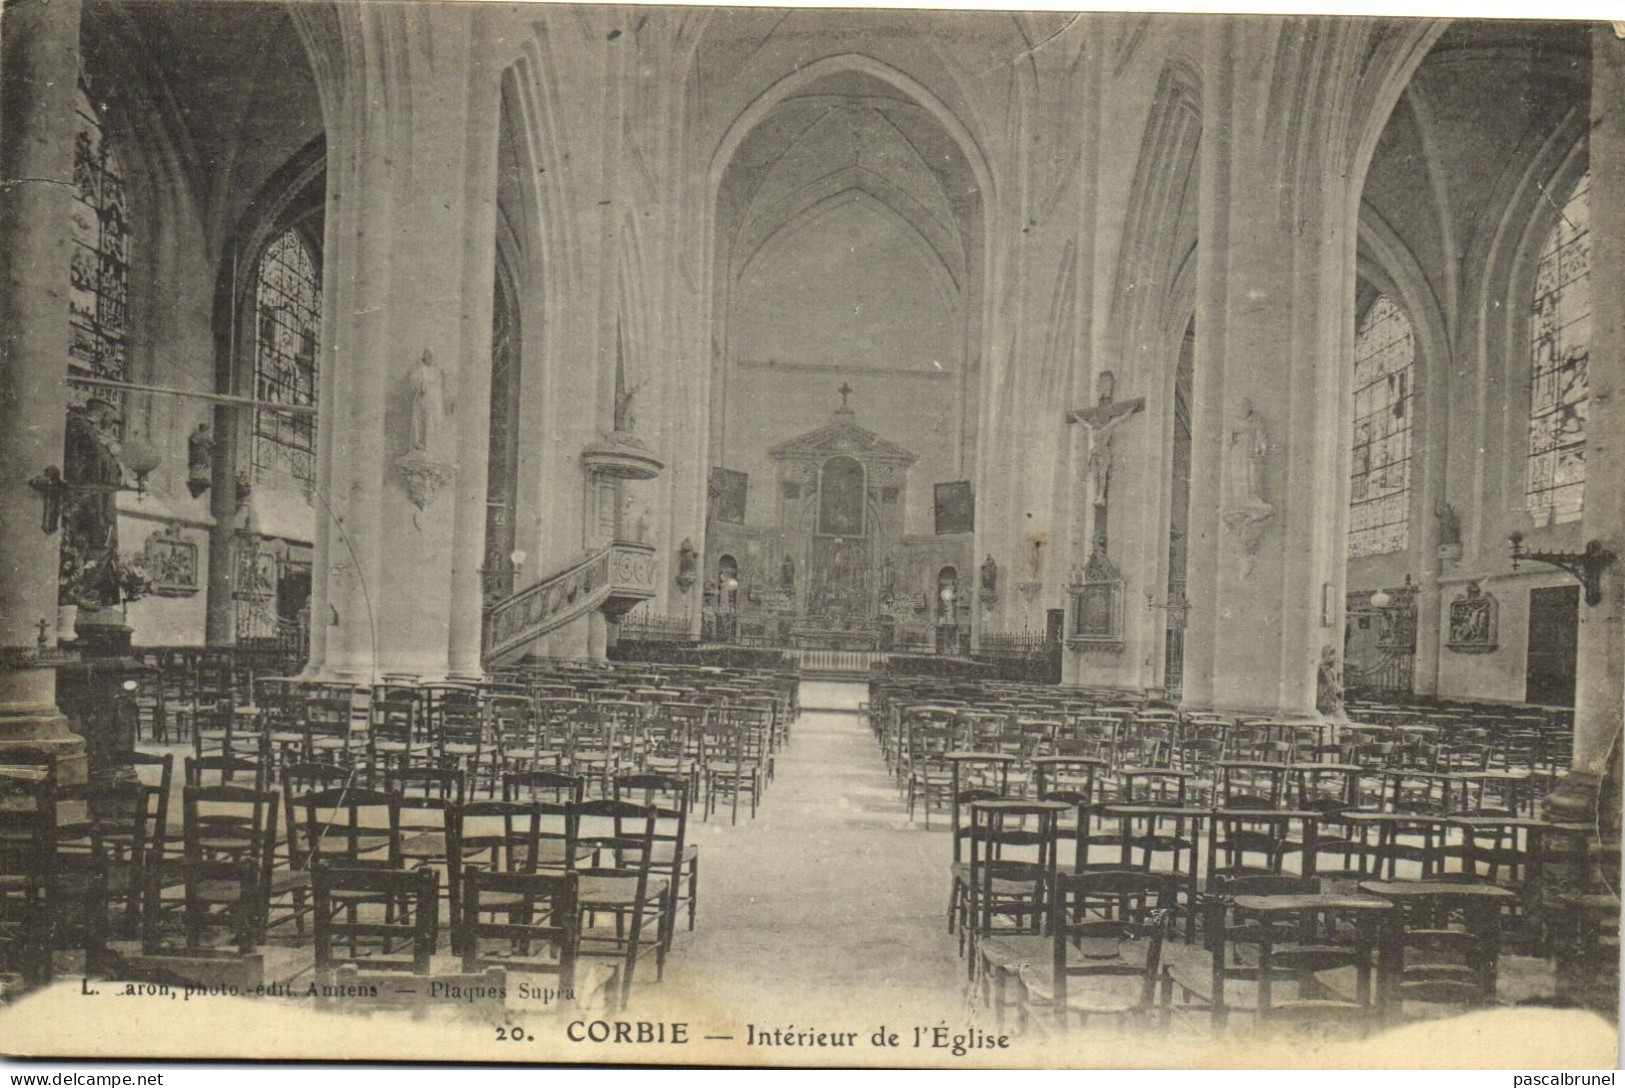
column 787, row 573
column 426, row 467
column 432, row 403
column 990, row 576
column 1246, row 511
column 199, row 460
column 1245, row 452
column 688, row 563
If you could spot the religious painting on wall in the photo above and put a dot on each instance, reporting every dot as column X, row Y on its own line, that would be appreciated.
column 955, row 507
column 841, row 490
column 1097, row 604
column 171, row 563
column 1473, row 621
column 729, row 488
column 1096, row 612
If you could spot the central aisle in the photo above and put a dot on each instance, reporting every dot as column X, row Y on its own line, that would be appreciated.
column 828, row 904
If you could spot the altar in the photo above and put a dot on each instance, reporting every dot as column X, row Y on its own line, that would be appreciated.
column 835, row 569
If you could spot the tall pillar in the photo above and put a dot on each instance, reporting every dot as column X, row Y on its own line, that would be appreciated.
column 1274, row 337
column 409, row 240
column 597, row 636
column 1600, row 691
column 474, row 424
column 39, row 77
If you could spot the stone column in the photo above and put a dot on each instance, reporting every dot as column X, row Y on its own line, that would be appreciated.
column 597, row 635
column 474, row 423
column 1274, row 339
column 1599, row 699
column 230, row 435
column 39, row 72
column 408, row 243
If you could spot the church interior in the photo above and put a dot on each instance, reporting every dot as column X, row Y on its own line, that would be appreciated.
column 1042, row 481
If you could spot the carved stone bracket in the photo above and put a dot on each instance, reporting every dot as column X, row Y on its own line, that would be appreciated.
column 1247, row 525
column 424, row 475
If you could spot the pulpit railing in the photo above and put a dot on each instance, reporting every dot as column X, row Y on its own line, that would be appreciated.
column 621, row 572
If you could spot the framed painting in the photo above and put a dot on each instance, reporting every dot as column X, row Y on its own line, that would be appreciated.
column 955, row 507
column 171, row 562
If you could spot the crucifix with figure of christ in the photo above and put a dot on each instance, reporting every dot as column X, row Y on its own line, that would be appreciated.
column 845, row 391
column 1102, row 420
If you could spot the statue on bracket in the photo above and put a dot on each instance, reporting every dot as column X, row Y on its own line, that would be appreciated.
column 432, row 403
column 787, row 573
column 199, row 460
column 425, row 467
column 1245, row 509
column 688, row 561
column 990, row 577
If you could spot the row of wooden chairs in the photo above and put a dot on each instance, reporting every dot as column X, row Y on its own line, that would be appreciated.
column 231, row 869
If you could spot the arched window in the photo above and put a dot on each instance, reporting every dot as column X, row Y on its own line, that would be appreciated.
column 99, row 267
column 1560, row 349
column 1384, row 385
column 502, row 479
column 287, row 317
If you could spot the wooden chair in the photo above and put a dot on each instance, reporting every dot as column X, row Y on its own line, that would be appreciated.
column 732, row 769
column 144, row 857
column 959, row 868
column 457, row 729
column 1281, row 937
column 675, row 857
column 428, row 796
column 617, row 840
column 394, row 737
column 498, row 837
column 1118, row 958
column 28, row 865
column 541, row 930
column 227, row 769
column 537, row 785
column 347, row 827
column 1448, row 940
column 228, row 848
column 105, row 858
column 516, row 732
column 928, row 778
column 408, row 900
column 1013, row 848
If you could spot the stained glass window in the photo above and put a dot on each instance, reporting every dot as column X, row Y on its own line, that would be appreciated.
column 287, row 316
column 502, row 474
column 1560, row 349
column 1384, row 381
column 99, row 266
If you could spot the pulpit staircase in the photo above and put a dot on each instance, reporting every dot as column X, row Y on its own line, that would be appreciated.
column 611, row 579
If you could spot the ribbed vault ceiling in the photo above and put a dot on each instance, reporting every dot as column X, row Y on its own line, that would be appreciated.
column 849, row 133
